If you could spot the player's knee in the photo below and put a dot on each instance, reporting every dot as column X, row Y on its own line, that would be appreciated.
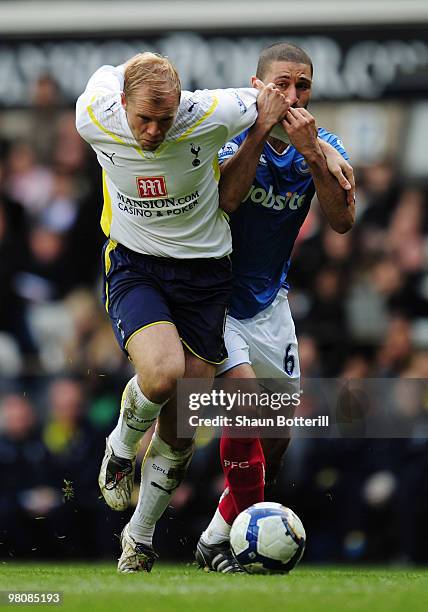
column 160, row 385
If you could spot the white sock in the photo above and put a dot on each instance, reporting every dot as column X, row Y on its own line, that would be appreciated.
column 137, row 414
column 163, row 470
column 218, row 530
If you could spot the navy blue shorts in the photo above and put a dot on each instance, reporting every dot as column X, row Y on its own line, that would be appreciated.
column 142, row 290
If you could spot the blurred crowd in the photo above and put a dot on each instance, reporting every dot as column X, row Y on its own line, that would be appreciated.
column 360, row 304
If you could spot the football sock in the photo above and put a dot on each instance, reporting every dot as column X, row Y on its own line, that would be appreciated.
column 219, row 528
column 226, row 507
column 243, row 465
column 163, row 470
column 137, row 414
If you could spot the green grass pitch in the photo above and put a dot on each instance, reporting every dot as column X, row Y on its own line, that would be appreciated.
column 185, row 588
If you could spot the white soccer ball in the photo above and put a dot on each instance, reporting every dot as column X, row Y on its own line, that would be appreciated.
column 267, row 538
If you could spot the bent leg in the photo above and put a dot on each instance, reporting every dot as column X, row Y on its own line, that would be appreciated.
column 194, row 368
column 158, row 357
column 166, row 461
column 243, row 465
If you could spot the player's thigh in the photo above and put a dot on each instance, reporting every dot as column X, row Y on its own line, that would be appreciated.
column 237, row 347
column 244, row 370
column 156, row 351
column 199, row 296
column 196, row 367
column 273, row 342
column 132, row 294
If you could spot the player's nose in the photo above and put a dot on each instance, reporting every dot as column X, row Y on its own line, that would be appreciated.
column 291, row 94
column 153, row 129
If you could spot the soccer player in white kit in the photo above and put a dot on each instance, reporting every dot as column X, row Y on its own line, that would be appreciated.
column 166, row 261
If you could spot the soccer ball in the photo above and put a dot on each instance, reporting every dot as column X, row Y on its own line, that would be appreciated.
column 267, row 538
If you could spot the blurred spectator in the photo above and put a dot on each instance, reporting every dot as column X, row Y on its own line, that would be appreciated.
column 28, row 182
column 46, row 101
column 309, row 357
column 70, row 152
column 13, row 254
column 28, row 491
column 74, row 444
column 91, row 346
column 396, row 352
column 377, row 190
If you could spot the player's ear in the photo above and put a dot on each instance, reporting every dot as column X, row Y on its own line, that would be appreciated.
column 253, row 81
column 123, row 99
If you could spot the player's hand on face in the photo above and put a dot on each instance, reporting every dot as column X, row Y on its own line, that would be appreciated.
column 340, row 169
column 301, row 129
column 272, row 105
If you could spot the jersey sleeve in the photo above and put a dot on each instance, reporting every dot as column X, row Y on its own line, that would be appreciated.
column 237, row 111
column 334, row 141
column 229, row 149
column 100, row 104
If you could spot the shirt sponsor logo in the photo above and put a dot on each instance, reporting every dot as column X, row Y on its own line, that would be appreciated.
column 227, row 150
column 151, row 186
column 268, row 199
column 160, row 207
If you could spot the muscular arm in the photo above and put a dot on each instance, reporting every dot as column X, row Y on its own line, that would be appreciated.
column 300, row 126
column 331, row 195
column 341, row 170
column 238, row 172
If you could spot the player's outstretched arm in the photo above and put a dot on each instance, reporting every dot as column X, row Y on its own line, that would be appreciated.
column 238, row 172
column 300, row 127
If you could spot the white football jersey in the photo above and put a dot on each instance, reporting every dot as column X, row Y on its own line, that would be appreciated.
column 164, row 202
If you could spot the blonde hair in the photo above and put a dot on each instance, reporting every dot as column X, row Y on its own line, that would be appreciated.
column 153, row 70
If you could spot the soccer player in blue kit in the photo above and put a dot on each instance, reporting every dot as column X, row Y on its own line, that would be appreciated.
column 267, row 186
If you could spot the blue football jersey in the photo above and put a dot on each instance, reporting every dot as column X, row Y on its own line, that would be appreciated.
column 266, row 225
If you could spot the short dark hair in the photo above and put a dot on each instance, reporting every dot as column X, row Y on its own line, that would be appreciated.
column 281, row 52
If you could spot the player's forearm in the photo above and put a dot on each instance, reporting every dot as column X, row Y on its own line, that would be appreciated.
column 331, row 196
column 238, row 172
